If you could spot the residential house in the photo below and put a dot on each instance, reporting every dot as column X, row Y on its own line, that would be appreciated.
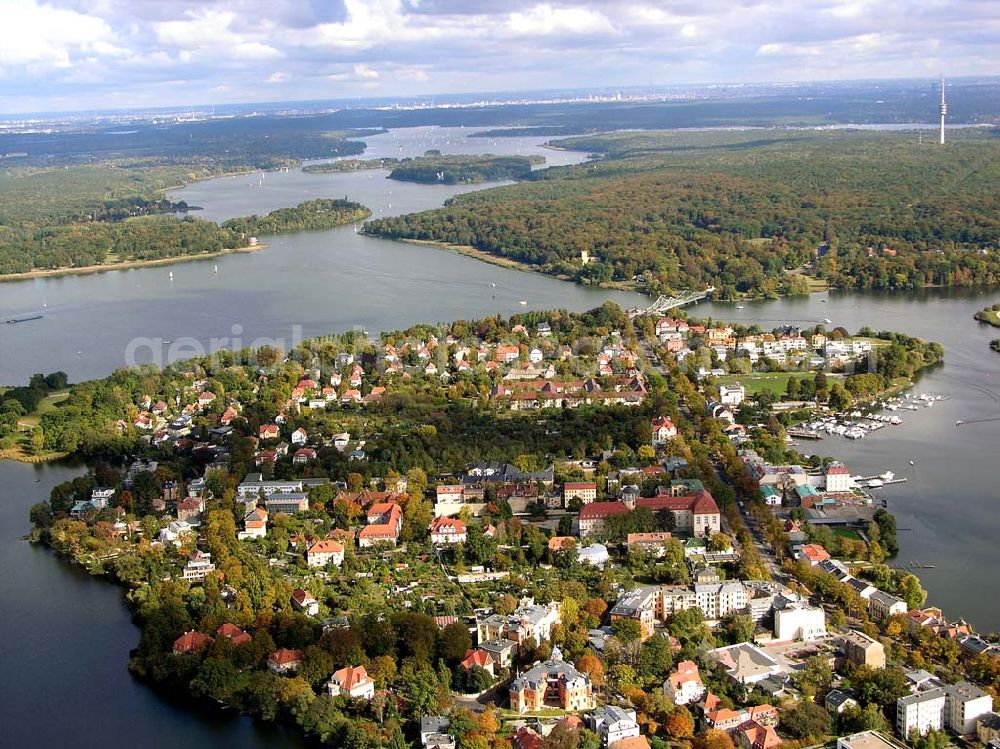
column 612, row 723
column 254, row 524
column 836, row 701
column 883, row 605
column 268, row 432
column 639, row 605
column 300, row 437
column 385, row 521
column 199, row 566
column 813, row 554
column 501, row 652
column 752, row 735
column 478, row 659
column 324, row 552
column 285, row 661
column 351, row 681
column 684, row 685
column 304, row 601
column 190, row 509
column 446, row 530
column 191, row 642
column 663, row 430
column 234, row 634
column 731, row 395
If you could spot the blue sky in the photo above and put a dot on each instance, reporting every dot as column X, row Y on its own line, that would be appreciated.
column 82, row 54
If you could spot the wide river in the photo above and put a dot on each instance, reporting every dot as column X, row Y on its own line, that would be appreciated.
column 65, row 636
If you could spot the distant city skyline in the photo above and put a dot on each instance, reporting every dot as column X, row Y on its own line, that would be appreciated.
column 68, row 55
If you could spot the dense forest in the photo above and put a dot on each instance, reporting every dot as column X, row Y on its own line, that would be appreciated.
column 324, row 213
column 459, row 170
column 739, row 211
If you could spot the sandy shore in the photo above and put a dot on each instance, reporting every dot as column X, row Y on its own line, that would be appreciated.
column 125, row 264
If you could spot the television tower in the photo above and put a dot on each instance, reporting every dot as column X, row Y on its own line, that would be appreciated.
column 944, row 111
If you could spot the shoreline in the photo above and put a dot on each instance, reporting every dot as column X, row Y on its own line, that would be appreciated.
column 503, row 262
column 84, row 270
column 17, row 455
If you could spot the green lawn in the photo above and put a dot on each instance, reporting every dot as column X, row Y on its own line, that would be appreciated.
column 48, row 404
column 847, row 533
column 776, row 382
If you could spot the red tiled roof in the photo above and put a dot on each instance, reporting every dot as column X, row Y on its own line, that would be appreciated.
column 700, row 503
column 233, row 633
column 350, row 677
column 191, row 641
column 284, row 656
column 327, row 546
column 477, row 658
column 601, row 510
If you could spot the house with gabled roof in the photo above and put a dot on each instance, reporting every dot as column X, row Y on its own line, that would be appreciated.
column 351, row 681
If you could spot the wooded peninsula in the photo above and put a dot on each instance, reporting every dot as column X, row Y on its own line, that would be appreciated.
column 751, row 213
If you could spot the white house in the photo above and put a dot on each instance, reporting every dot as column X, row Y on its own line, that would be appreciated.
column 684, row 685
column 324, row 552
column 838, row 478
column 352, row 681
column 299, row 436
column 445, row 530
column 731, row 395
column 662, row 429
column 613, row 724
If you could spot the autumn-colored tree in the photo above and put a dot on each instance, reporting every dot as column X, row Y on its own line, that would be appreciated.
column 713, row 739
column 680, row 724
column 591, row 665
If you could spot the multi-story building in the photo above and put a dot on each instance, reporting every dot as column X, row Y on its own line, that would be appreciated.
column 593, row 515
column 921, row 712
column 799, row 621
column 352, row 681
column 552, row 683
column 533, row 621
column 695, row 513
column 287, row 502
column 641, row 605
column 584, row 492
column 862, row 650
column 199, row 566
column 965, row 703
column 716, row 600
column 882, row 605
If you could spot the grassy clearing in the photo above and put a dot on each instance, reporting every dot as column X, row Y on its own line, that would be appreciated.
column 49, row 403
column 776, row 382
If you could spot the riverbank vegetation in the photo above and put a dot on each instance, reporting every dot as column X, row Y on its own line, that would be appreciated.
column 748, row 213
column 462, row 169
column 348, row 165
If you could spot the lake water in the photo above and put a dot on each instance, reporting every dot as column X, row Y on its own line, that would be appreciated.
column 65, row 636
column 303, row 285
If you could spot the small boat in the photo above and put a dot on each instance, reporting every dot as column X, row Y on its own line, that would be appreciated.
column 215, row 269
column 827, row 321
column 912, row 463
column 522, row 302
column 822, row 301
column 15, row 320
column 739, row 306
column 959, row 423
column 170, row 275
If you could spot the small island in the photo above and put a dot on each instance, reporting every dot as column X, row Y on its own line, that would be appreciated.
column 463, row 170
column 348, row 165
column 989, row 315
column 323, row 213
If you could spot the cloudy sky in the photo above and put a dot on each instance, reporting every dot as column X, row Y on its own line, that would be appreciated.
column 82, row 54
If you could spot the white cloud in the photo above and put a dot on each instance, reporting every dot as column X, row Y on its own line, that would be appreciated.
column 33, row 34
column 546, row 20
column 209, row 33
